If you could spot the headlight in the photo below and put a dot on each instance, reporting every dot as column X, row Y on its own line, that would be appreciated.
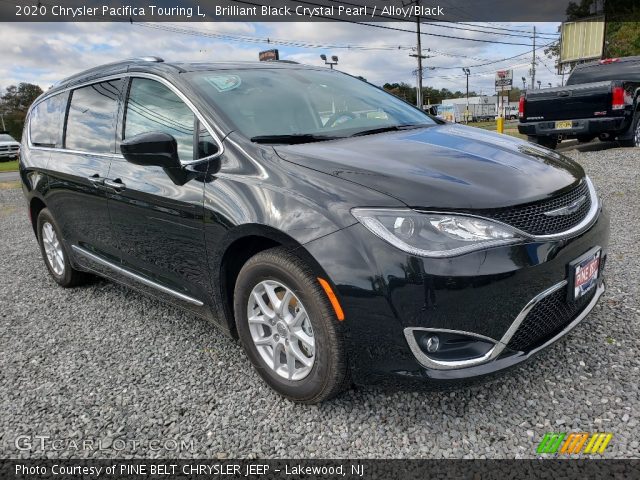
column 434, row 234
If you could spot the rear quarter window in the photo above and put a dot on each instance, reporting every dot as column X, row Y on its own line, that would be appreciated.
column 91, row 121
column 622, row 70
column 46, row 120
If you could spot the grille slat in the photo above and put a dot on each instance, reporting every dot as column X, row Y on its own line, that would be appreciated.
column 530, row 218
column 548, row 317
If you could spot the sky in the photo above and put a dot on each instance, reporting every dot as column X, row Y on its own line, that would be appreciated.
column 43, row 53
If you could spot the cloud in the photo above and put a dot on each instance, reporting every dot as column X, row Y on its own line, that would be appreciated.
column 44, row 53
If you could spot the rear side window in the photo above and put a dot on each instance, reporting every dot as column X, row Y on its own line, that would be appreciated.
column 45, row 121
column 152, row 107
column 620, row 70
column 91, row 122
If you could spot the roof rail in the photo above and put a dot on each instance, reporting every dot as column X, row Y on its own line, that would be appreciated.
column 150, row 58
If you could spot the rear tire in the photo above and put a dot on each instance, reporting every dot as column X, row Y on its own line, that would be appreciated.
column 55, row 254
column 548, row 142
column 634, row 141
column 271, row 334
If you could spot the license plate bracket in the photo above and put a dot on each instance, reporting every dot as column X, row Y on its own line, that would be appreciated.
column 584, row 272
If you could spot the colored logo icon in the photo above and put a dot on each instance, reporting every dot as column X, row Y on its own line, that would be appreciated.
column 574, row 443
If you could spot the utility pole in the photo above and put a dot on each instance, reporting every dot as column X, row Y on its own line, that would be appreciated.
column 466, row 113
column 419, row 56
column 2, row 117
column 533, row 60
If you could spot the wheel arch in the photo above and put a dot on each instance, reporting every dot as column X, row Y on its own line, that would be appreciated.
column 241, row 244
column 36, row 205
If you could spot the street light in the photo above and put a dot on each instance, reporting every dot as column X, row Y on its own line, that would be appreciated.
column 524, row 83
column 334, row 60
column 467, row 72
column 539, row 83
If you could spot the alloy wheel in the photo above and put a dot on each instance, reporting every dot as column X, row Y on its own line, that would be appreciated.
column 53, row 249
column 281, row 330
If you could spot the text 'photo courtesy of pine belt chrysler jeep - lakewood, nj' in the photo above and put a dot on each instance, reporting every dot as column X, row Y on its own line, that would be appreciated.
column 342, row 235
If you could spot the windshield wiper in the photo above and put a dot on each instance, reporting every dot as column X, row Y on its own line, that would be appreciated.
column 291, row 138
column 390, row 128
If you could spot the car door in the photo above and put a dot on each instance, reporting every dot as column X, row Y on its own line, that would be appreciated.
column 75, row 196
column 157, row 218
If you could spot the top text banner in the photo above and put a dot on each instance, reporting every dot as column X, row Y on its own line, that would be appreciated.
column 360, row 11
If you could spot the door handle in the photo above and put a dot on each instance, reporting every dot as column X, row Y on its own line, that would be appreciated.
column 116, row 184
column 96, row 180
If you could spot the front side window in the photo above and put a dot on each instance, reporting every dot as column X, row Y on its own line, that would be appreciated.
column 152, row 107
column 45, row 121
column 294, row 102
column 92, row 118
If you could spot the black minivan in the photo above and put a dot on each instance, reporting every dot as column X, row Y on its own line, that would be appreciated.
column 341, row 234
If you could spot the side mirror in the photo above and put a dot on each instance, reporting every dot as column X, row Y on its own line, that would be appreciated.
column 154, row 148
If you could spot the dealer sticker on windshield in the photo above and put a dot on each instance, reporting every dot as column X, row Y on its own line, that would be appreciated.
column 583, row 273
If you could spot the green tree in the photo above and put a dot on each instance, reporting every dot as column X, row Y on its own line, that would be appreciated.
column 14, row 105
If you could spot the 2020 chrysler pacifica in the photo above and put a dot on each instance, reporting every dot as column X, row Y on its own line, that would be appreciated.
column 342, row 234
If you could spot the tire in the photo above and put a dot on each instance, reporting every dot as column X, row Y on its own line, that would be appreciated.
column 317, row 379
column 634, row 141
column 548, row 142
column 60, row 268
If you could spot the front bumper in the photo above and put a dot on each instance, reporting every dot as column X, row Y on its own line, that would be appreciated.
column 583, row 126
column 387, row 294
column 10, row 154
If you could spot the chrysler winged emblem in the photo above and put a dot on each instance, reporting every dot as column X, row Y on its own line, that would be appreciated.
column 568, row 209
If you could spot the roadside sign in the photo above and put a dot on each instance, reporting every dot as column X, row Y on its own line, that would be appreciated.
column 504, row 80
column 268, row 55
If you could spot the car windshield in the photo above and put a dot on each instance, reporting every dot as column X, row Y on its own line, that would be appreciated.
column 6, row 138
column 299, row 105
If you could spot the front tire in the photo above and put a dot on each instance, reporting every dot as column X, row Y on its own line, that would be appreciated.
column 288, row 327
column 55, row 254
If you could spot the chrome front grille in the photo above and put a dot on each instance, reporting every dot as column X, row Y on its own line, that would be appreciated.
column 531, row 218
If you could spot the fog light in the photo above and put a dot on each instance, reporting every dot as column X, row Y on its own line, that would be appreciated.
column 431, row 343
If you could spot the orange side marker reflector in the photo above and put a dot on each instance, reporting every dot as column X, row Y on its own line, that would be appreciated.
column 332, row 298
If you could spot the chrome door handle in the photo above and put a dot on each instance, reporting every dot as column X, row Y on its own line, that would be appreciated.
column 96, row 180
column 116, row 184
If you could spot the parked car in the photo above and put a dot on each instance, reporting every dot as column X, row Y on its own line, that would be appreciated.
column 372, row 244
column 600, row 100
column 9, row 148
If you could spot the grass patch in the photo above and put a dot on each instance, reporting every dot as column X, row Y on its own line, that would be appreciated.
column 11, row 166
column 9, row 185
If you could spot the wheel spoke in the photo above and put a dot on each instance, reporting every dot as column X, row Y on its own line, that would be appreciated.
column 304, row 338
column 296, row 321
column 291, row 362
column 259, row 319
column 277, row 349
column 263, row 341
column 273, row 296
column 301, row 357
column 264, row 309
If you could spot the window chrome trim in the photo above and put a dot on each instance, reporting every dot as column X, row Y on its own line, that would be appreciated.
column 136, row 277
column 501, row 344
column 129, row 75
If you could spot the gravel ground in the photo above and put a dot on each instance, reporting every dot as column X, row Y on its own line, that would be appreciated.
column 102, row 363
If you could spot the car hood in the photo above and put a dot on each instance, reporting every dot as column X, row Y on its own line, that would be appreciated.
column 445, row 166
column 10, row 143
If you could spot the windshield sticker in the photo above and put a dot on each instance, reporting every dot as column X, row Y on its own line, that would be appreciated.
column 224, row 83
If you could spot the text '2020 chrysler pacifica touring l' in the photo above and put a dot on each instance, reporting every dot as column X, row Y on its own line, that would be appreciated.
column 342, row 234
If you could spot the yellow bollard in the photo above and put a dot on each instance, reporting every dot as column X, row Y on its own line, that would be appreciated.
column 500, row 125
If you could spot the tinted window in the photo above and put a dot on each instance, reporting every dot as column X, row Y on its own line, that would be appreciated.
column 620, row 70
column 45, row 121
column 92, row 117
column 152, row 107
